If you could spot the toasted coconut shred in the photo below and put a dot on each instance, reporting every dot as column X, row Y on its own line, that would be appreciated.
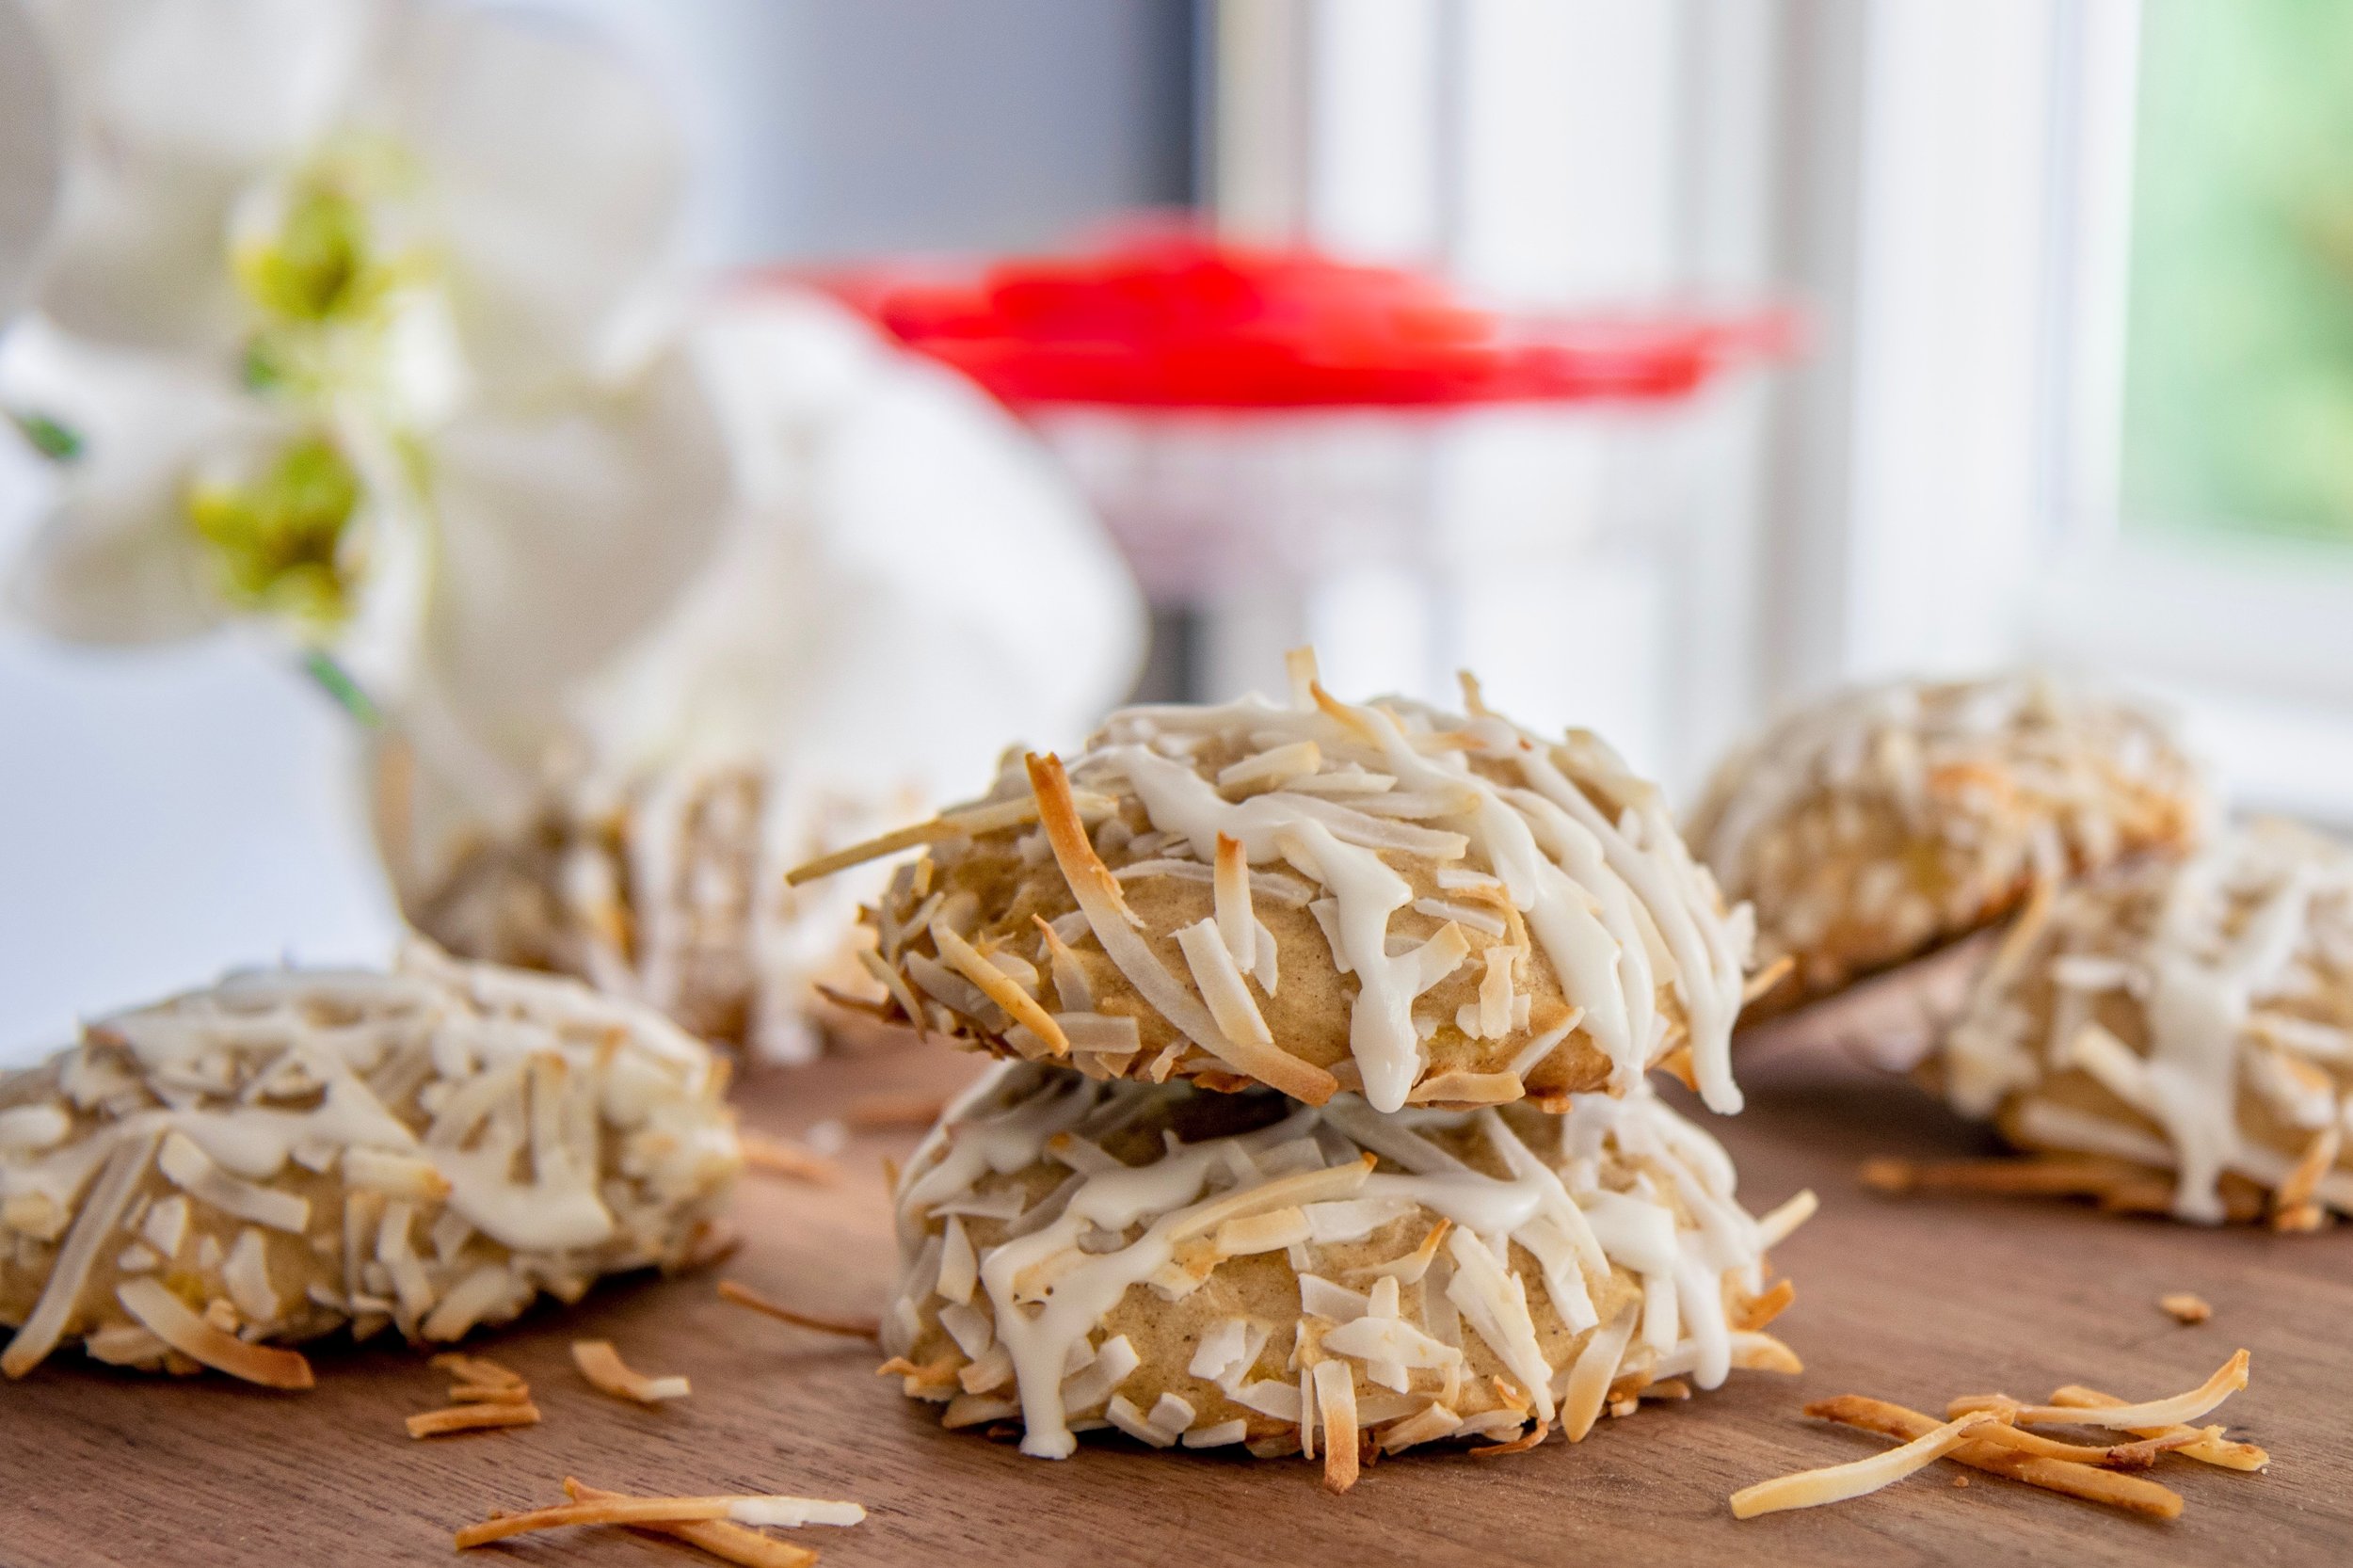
column 295, row 1152
column 1836, row 1483
column 852, row 1328
column 2205, row 1444
column 475, row 1371
column 2179, row 1030
column 1883, row 821
column 485, row 1397
column 2228, row 1380
column 726, row 1526
column 1322, row 897
column 602, row 1366
column 720, row 1538
column 1985, row 1431
column 485, row 1416
column 785, row 1158
column 1200, row 1269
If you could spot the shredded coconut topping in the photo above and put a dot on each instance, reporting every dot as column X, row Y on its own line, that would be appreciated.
column 670, row 892
column 2191, row 1017
column 293, row 1151
column 1884, row 820
column 1221, row 834
column 1423, row 1264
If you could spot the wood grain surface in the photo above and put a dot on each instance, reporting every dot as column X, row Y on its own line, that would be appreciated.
column 1913, row 1300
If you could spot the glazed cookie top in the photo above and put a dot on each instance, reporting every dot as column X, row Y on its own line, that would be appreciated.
column 522, row 1132
column 2193, row 1016
column 1425, row 908
column 1879, row 822
column 1238, row 1267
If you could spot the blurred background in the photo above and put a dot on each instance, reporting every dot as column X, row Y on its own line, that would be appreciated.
column 2026, row 333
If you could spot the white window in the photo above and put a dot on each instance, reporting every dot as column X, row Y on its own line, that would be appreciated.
column 2100, row 344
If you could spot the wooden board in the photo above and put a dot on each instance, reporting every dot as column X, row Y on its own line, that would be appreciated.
column 1915, row 1300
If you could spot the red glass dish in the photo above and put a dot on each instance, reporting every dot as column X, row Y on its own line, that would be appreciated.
column 1184, row 322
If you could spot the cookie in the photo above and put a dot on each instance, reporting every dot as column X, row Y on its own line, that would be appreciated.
column 1424, row 907
column 667, row 891
column 1880, row 823
column 293, row 1152
column 2192, row 1019
column 1205, row 1270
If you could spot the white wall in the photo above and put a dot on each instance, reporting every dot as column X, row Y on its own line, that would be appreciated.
column 833, row 128
column 165, row 815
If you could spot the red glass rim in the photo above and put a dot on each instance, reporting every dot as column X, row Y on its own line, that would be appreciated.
column 1185, row 321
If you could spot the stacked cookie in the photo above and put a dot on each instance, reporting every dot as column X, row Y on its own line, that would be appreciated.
column 1325, row 1127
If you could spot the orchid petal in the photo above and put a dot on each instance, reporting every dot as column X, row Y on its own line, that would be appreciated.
column 554, row 172
column 139, row 258
column 562, row 537
column 115, row 559
column 905, row 584
column 994, row 606
column 235, row 81
column 177, row 105
column 860, row 629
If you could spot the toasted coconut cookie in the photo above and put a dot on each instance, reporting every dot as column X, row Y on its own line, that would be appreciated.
column 2193, row 1017
column 1212, row 1269
column 294, row 1151
column 1881, row 823
column 1420, row 906
column 668, row 891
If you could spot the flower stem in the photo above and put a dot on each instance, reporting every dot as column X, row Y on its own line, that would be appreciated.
column 337, row 682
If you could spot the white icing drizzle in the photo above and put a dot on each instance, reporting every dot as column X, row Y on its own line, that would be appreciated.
column 1307, row 1179
column 2221, row 962
column 537, row 1133
column 1611, row 898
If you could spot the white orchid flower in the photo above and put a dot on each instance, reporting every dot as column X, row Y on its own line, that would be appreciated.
column 355, row 321
column 241, row 165
column 327, row 275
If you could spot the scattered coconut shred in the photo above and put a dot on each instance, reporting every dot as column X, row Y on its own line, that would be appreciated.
column 483, row 1396
column 881, row 1113
column 1987, row 1432
column 2185, row 1308
column 727, row 1527
column 783, row 1157
column 602, row 1366
column 851, row 1328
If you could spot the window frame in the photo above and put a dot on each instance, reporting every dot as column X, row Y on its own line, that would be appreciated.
column 1542, row 153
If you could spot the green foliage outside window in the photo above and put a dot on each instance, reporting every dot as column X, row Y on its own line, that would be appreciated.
column 2239, row 400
